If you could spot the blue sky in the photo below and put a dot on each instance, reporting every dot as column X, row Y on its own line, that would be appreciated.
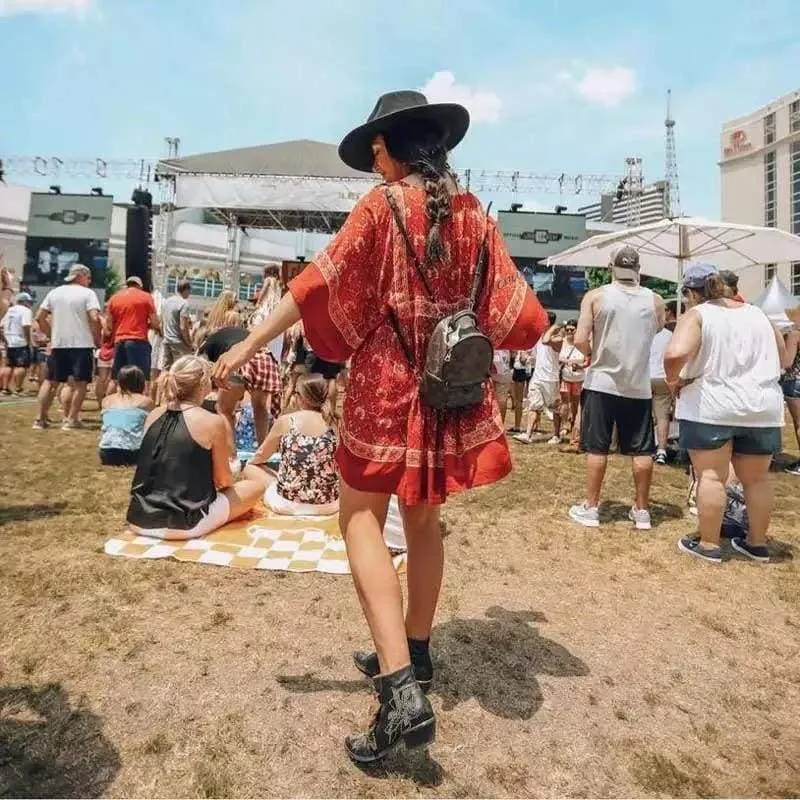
column 553, row 86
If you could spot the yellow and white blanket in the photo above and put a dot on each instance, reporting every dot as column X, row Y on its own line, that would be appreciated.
column 264, row 540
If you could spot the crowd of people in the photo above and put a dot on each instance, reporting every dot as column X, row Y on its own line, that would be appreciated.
column 219, row 411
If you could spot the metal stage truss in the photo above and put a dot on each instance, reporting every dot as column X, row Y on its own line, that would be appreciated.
column 514, row 183
column 478, row 180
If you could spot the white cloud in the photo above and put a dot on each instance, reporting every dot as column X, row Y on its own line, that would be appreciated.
column 9, row 7
column 482, row 106
column 604, row 86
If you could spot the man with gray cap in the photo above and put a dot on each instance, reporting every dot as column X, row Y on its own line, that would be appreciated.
column 15, row 329
column 71, row 314
column 616, row 327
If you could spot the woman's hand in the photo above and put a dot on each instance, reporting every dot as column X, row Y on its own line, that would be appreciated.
column 230, row 361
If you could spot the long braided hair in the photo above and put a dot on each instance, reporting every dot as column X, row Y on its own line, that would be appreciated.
column 420, row 145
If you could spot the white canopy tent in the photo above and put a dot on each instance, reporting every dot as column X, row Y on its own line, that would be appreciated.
column 666, row 247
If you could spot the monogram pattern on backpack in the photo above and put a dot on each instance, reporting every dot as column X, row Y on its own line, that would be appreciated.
column 459, row 356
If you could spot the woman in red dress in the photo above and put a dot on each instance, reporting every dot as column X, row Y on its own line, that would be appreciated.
column 389, row 441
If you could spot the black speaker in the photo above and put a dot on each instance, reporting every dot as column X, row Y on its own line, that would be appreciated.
column 138, row 237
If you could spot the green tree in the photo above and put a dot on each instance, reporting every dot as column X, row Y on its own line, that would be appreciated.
column 599, row 276
column 113, row 281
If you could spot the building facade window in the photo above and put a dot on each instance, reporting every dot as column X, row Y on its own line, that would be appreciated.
column 794, row 116
column 796, row 278
column 248, row 291
column 769, row 273
column 794, row 187
column 201, row 287
column 770, row 196
column 769, row 128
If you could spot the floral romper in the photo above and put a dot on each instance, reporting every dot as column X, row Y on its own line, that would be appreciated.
column 307, row 473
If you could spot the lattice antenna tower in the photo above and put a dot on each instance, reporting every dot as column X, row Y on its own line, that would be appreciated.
column 673, row 198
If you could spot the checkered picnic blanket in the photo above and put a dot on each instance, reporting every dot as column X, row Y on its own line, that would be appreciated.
column 262, row 541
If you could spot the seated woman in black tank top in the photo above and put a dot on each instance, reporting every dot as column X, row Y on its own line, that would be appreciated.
column 183, row 486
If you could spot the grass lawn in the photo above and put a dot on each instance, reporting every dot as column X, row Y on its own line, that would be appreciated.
column 570, row 661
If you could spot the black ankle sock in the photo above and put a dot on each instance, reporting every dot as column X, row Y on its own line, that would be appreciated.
column 418, row 647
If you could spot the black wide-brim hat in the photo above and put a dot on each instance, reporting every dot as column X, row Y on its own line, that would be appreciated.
column 356, row 148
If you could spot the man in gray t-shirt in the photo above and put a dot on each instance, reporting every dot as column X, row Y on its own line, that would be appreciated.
column 176, row 326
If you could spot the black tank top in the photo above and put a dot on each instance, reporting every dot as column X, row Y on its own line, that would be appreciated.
column 174, row 481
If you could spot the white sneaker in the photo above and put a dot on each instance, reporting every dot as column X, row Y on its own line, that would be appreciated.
column 554, row 440
column 640, row 517
column 548, row 414
column 38, row 425
column 523, row 437
column 72, row 425
column 584, row 515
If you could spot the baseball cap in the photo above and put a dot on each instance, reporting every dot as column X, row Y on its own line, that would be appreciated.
column 694, row 276
column 134, row 280
column 625, row 261
column 24, row 297
column 75, row 270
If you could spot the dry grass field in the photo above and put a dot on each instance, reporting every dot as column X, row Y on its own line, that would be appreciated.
column 570, row 662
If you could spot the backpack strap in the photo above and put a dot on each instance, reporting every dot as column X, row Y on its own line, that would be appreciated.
column 409, row 247
column 480, row 267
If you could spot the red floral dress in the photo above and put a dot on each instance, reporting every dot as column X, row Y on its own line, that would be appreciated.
column 388, row 441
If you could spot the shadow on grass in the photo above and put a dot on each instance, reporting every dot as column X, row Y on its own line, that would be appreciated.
column 496, row 660
column 50, row 749
column 613, row 511
column 416, row 766
column 30, row 512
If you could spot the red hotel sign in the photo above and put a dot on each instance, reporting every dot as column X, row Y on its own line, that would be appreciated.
column 738, row 144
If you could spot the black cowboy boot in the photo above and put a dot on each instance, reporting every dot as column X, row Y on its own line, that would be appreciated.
column 405, row 714
column 421, row 664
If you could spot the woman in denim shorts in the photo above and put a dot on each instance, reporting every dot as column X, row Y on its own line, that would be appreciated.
column 724, row 362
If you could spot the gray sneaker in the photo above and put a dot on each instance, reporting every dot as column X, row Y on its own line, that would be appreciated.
column 584, row 515
column 640, row 517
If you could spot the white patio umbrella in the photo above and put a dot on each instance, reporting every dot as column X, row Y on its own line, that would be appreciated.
column 666, row 247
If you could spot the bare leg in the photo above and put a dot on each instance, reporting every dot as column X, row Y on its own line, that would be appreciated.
column 155, row 385
column 101, row 383
column 47, row 392
column 261, row 404
column 753, row 472
column 642, row 476
column 5, row 378
column 333, row 397
column 76, row 401
column 226, row 403
column 595, row 473
column 362, row 516
column 19, row 378
column 247, row 491
column 711, row 468
column 794, row 411
column 564, row 411
column 425, row 567
column 517, row 392
column 65, row 398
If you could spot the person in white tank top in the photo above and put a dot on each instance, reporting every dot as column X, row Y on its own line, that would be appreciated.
column 724, row 362
column 616, row 328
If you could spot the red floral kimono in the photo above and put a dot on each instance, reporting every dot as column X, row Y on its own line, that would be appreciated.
column 389, row 441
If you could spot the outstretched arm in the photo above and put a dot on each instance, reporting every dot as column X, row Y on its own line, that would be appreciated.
column 283, row 317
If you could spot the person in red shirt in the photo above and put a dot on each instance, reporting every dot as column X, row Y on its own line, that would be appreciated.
column 363, row 298
column 131, row 314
